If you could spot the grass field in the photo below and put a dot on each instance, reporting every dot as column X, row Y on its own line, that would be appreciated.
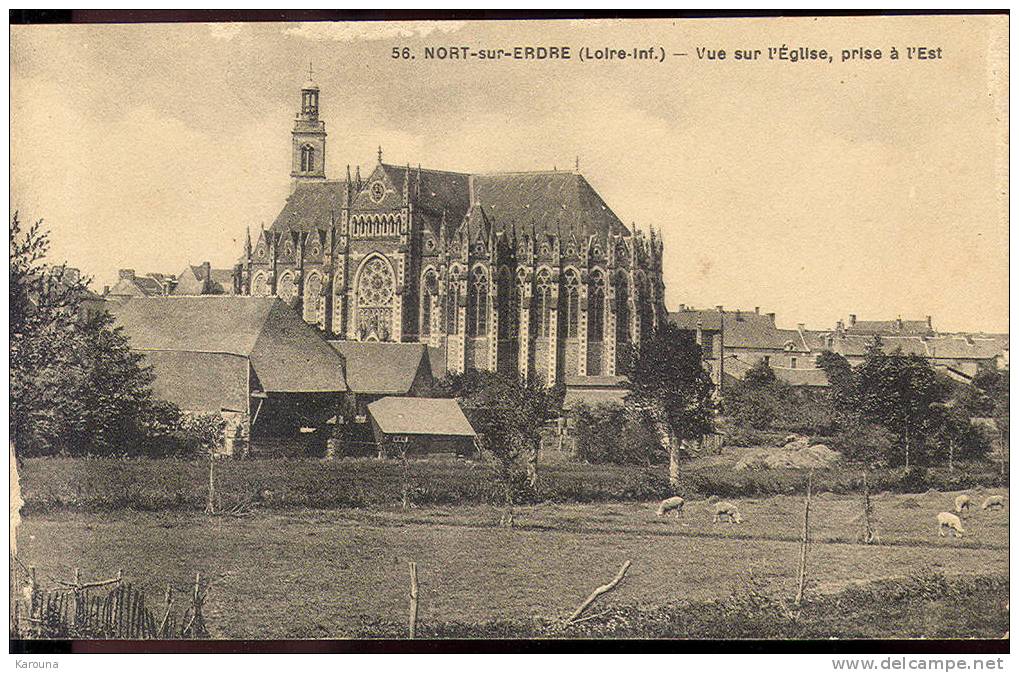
column 315, row 574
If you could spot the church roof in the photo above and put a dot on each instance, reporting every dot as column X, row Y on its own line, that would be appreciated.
column 286, row 354
column 312, row 205
column 547, row 202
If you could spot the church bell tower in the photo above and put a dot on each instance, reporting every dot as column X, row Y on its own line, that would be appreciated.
column 309, row 138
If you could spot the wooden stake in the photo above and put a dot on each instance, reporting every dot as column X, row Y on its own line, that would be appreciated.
column 210, row 506
column 413, row 599
column 802, row 574
column 605, row 588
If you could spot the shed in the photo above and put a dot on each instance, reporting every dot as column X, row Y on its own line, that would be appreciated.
column 420, row 425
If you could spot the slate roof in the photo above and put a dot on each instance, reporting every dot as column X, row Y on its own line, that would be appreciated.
column 947, row 347
column 903, row 327
column 312, row 205
column 807, row 376
column 381, row 368
column 287, row 355
column 549, row 202
column 420, row 416
column 743, row 329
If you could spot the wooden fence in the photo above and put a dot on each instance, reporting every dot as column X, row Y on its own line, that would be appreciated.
column 106, row 609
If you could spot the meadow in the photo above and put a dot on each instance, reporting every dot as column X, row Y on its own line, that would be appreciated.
column 301, row 573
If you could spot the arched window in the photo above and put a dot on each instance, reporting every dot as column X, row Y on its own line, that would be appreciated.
column 376, row 287
column 596, row 307
column 307, row 158
column 286, row 289
column 429, row 288
column 453, row 302
column 259, row 287
column 509, row 313
column 477, row 303
column 572, row 287
column 543, row 304
column 622, row 308
column 312, row 290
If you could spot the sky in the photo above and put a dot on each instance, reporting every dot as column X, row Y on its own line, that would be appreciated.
column 810, row 189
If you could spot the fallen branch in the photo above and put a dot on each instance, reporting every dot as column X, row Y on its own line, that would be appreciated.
column 605, row 588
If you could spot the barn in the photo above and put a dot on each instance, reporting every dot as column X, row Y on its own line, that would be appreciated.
column 250, row 359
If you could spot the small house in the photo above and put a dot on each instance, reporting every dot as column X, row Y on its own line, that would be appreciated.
column 420, row 426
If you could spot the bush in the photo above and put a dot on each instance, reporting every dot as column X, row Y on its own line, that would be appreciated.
column 606, row 433
column 103, row 484
column 171, row 432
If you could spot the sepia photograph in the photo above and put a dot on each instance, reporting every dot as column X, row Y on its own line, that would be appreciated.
column 481, row 332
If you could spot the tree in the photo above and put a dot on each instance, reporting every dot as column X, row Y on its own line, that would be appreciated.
column 508, row 414
column 898, row 392
column 608, row 433
column 76, row 387
column 670, row 391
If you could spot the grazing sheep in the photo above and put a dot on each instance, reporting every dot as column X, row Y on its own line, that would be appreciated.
column 995, row 501
column 962, row 502
column 949, row 521
column 727, row 510
column 674, row 504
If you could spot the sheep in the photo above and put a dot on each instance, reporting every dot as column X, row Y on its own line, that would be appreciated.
column 949, row 521
column 728, row 510
column 962, row 502
column 995, row 501
column 674, row 504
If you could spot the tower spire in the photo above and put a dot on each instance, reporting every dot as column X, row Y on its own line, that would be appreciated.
column 308, row 137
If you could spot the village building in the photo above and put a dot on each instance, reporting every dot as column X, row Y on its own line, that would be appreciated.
column 528, row 273
column 129, row 284
column 203, row 279
column 249, row 359
column 734, row 340
column 418, row 426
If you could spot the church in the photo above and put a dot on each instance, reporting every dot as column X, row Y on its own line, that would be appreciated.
column 527, row 272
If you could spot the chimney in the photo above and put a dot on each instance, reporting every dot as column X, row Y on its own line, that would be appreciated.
column 700, row 332
column 757, row 310
column 739, row 315
column 771, row 317
column 801, row 326
column 852, row 319
column 840, row 327
column 106, row 290
column 719, row 308
column 126, row 274
column 898, row 323
column 929, row 325
column 682, row 307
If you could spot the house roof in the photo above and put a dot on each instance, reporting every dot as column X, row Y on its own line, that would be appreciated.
column 898, row 326
column 743, row 329
column 947, row 347
column 286, row 354
column 382, row 368
column 420, row 416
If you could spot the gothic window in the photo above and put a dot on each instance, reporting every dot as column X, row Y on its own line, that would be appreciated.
column 572, row 287
column 543, row 303
column 477, row 303
column 596, row 307
column 307, row 158
column 429, row 288
column 312, row 290
column 259, row 288
column 453, row 302
column 622, row 308
column 286, row 289
column 519, row 297
column 376, row 288
column 509, row 312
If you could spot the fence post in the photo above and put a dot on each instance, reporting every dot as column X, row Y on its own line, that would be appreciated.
column 413, row 599
column 802, row 575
